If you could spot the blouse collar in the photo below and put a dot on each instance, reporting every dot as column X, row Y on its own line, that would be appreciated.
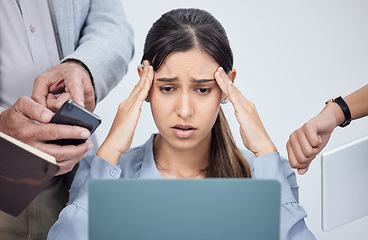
column 149, row 168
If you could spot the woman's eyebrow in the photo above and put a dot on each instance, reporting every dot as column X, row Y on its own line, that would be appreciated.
column 203, row 80
column 167, row 79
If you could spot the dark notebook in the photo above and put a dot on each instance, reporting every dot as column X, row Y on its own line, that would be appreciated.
column 24, row 172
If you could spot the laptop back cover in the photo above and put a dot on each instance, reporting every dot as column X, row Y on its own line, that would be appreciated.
column 184, row 209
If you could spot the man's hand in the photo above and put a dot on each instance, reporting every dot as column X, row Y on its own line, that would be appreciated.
column 19, row 121
column 71, row 80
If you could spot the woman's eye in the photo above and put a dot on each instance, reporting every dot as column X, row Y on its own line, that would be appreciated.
column 203, row 90
column 166, row 89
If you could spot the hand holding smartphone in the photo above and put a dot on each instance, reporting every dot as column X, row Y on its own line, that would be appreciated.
column 73, row 114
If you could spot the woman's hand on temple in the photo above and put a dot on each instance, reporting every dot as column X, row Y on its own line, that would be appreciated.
column 252, row 131
column 122, row 130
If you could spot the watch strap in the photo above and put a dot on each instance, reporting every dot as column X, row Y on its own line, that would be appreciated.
column 344, row 107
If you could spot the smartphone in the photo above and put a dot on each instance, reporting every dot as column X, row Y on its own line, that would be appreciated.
column 73, row 114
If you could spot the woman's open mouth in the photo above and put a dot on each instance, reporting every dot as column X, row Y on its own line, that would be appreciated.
column 183, row 131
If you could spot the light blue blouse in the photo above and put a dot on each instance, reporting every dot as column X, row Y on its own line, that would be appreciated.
column 139, row 163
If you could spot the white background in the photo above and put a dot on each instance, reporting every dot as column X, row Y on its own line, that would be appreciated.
column 291, row 56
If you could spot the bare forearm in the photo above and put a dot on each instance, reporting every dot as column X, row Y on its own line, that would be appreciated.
column 358, row 103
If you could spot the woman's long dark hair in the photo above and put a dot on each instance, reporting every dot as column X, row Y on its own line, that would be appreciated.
column 183, row 29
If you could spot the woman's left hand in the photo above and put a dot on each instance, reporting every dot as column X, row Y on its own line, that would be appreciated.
column 252, row 131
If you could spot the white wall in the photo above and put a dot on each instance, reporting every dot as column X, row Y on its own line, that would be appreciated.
column 291, row 56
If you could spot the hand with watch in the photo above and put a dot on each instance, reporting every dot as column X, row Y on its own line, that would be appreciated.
column 308, row 141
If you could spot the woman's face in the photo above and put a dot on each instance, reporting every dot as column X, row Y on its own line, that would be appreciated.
column 185, row 99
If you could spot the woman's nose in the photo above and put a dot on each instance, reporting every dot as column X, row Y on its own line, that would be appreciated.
column 184, row 107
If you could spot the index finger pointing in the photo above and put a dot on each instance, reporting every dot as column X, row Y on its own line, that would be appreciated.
column 74, row 85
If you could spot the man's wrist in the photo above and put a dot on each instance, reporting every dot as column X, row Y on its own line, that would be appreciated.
column 80, row 63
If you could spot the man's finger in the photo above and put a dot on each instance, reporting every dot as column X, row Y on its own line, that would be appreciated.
column 54, row 103
column 89, row 95
column 67, row 156
column 48, row 132
column 74, row 86
column 40, row 90
column 33, row 110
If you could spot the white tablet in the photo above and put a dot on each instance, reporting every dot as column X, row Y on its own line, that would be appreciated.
column 344, row 184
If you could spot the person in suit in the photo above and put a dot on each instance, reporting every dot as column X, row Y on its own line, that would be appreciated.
column 186, row 74
column 52, row 51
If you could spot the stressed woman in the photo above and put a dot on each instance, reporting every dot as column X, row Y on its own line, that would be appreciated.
column 187, row 73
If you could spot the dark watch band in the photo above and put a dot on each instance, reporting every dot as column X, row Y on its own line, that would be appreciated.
column 344, row 107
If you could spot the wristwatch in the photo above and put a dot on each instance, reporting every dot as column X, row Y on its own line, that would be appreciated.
column 344, row 107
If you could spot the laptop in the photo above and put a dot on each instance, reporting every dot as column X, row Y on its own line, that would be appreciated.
column 344, row 184
column 184, row 209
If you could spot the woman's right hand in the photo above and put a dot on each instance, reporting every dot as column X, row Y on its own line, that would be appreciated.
column 122, row 130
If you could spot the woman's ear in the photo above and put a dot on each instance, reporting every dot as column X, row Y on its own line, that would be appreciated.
column 232, row 74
